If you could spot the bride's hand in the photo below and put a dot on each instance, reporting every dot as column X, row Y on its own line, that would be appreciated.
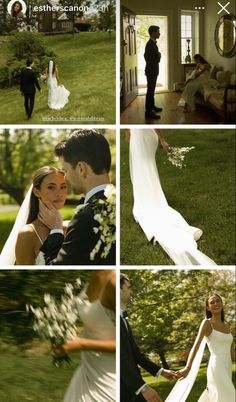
column 49, row 216
column 58, row 350
column 183, row 373
column 165, row 146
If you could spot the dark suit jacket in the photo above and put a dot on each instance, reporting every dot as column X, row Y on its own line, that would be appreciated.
column 152, row 57
column 130, row 358
column 76, row 246
column 28, row 82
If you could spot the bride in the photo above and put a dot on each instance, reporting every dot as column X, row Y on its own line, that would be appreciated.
column 219, row 373
column 94, row 380
column 28, row 234
column 158, row 220
column 57, row 93
column 199, row 75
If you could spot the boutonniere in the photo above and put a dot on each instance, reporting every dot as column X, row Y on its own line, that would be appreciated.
column 105, row 217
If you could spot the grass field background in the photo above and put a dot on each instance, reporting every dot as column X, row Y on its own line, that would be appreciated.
column 203, row 192
column 86, row 64
column 34, row 379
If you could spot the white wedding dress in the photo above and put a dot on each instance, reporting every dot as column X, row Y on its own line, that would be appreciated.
column 95, row 378
column 220, row 387
column 219, row 371
column 157, row 219
column 57, row 94
column 192, row 87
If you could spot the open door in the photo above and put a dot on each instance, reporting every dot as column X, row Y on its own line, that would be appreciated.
column 129, row 70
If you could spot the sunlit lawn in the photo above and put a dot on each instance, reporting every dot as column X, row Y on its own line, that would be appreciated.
column 86, row 66
column 34, row 379
column 203, row 192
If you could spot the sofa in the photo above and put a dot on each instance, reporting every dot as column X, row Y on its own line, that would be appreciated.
column 219, row 93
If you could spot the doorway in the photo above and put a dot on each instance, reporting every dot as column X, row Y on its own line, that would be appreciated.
column 142, row 24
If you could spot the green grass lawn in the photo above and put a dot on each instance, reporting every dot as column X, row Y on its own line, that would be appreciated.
column 203, row 192
column 7, row 219
column 86, row 64
column 34, row 379
column 163, row 387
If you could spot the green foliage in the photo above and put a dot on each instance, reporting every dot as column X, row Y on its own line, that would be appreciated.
column 21, row 149
column 23, row 46
column 4, row 77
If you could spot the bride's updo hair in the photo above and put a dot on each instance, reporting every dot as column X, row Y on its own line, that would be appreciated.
column 208, row 313
column 38, row 178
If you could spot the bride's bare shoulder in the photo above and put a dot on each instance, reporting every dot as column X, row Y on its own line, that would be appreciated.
column 27, row 231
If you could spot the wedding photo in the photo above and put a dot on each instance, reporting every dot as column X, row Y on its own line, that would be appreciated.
column 177, row 62
column 58, row 62
column 59, row 343
column 177, row 326
column 177, row 197
column 57, row 197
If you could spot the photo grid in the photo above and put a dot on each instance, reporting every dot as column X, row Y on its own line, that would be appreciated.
column 117, row 201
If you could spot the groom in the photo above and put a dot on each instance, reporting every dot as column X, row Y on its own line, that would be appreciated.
column 152, row 57
column 132, row 387
column 28, row 85
column 86, row 159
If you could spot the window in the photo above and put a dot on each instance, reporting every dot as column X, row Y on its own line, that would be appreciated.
column 189, row 35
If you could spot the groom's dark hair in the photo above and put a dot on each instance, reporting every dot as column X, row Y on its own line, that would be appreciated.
column 123, row 278
column 152, row 29
column 29, row 62
column 86, row 145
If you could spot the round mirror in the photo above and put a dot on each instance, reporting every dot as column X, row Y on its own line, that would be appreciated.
column 225, row 35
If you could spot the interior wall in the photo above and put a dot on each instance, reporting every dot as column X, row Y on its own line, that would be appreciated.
column 210, row 19
column 171, row 8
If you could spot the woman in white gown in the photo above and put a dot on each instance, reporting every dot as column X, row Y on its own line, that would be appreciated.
column 158, row 220
column 95, row 378
column 198, row 77
column 219, row 340
column 57, row 94
column 28, row 234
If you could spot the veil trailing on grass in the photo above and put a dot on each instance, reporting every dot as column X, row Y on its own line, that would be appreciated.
column 8, row 256
column 183, row 387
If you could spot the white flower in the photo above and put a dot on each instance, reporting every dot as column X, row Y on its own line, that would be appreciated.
column 47, row 298
column 176, row 155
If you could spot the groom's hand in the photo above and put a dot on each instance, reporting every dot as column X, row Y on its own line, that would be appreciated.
column 169, row 374
column 49, row 216
column 150, row 395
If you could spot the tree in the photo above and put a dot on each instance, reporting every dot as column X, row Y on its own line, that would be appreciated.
column 22, row 151
column 106, row 14
column 72, row 12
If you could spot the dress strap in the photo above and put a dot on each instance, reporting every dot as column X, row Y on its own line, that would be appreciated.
column 35, row 231
column 105, row 284
column 211, row 324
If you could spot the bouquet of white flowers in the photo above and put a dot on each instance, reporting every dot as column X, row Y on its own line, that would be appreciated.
column 176, row 155
column 57, row 321
column 105, row 215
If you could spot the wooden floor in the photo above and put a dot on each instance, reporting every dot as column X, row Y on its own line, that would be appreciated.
column 171, row 114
